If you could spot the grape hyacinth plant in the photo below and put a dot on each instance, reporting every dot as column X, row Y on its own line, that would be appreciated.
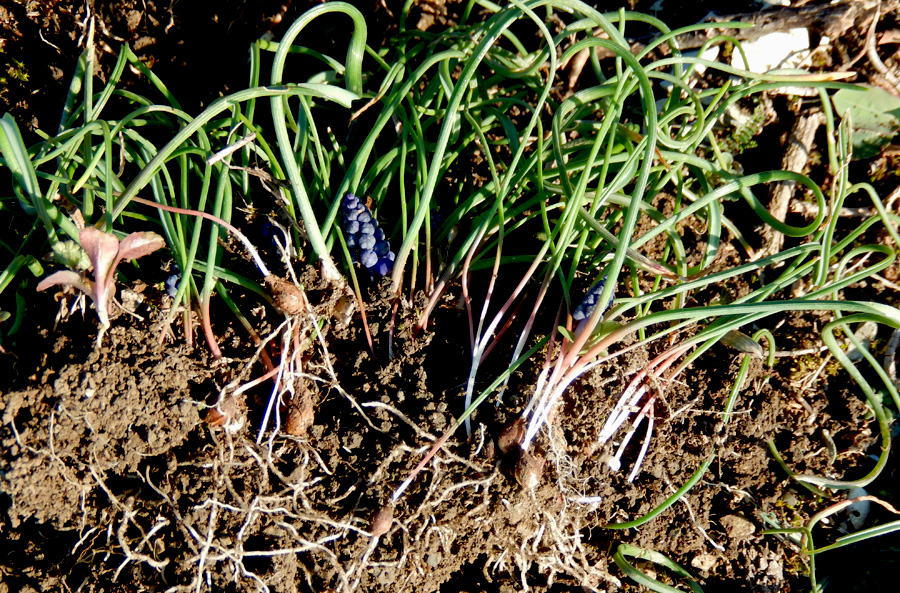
column 366, row 241
column 172, row 281
column 586, row 307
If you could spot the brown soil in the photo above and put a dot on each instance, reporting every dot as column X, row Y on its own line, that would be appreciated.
column 136, row 466
column 112, row 478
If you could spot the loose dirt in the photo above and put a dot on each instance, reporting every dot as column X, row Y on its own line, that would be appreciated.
column 112, row 477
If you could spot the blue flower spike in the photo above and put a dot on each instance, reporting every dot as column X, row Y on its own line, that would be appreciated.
column 586, row 307
column 366, row 241
column 172, row 281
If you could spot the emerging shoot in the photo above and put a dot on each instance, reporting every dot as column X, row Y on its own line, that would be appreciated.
column 105, row 252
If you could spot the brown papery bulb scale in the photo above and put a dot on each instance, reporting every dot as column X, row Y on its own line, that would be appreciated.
column 285, row 296
column 529, row 469
column 511, row 436
column 382, row 520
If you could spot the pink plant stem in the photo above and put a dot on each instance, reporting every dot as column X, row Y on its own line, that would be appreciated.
column 645, row 445
column 635, row 423
column 263, row 355
column 365, row 321
column 562, row 377
column 207, row 330
column 545, row 405
column 509, row 321
column 638, row 387
column 412, row 280
column 423, row 320
column 432, row 302
column 542, row 376
column 582, row 337
column 526, row 331
column 188, row 328
column 495, row 272
column 465, row 289
column 547, row 385
column 488, row 333
column 479, row 338
column 213, row 346
column 555, row 332
column 467, row 300
column 231, row 228
column 538, row 402
column 576, row 363
column 254, row 382
column 431, row 453
column 515, row 295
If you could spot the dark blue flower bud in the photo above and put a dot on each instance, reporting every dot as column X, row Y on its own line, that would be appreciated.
column 368, row 258
column 366, row 241
column 379, row 234
column 383, row 267
column 382, row 248
column 275, row 234
column 172, row 283
column 590, row 302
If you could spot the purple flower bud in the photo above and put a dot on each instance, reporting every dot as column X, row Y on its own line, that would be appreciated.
column 586, row 308
column 368, row 258
column 364, row 216
column 366, row 241
column 351, row 200
column 367, row 229
column 352, row 227
column 172, row 283
column 351, row 241
column 383, row 267
column 350, row 215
